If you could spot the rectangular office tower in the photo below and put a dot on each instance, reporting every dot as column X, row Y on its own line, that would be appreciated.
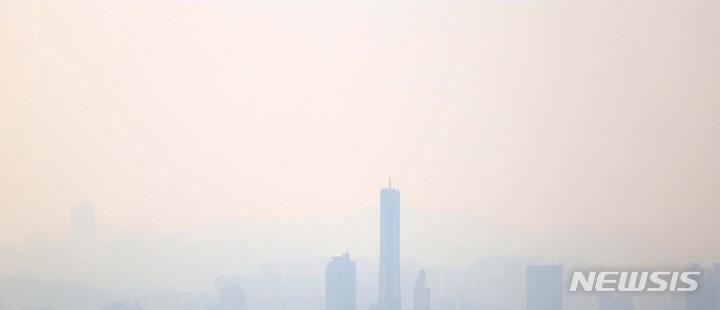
column 707, row 294
column 389, row 286
column 83, row 225
column 340, row 284
column 544, row 287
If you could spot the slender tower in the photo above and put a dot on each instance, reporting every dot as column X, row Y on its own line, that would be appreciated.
column 389, row 288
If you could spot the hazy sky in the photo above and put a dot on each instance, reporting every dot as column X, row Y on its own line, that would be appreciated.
column 531, row 114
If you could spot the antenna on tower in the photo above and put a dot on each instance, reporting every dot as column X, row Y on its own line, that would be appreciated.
column 389, row 180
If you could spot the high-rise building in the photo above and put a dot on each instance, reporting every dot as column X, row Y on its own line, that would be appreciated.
column 389, row 286
column 544, row 287
column 83, row 225
column 616, row 303
column 341, row 284
column 706, row 296
column 422, row 294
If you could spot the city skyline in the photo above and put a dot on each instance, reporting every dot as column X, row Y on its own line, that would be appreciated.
column 544, row 283
column 228, row 154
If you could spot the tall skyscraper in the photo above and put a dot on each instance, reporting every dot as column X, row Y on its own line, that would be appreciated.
column 422, row 294
column 83, row 225
column 341, row 284
column 616, row 303
column 544, row 287
column 389, row 286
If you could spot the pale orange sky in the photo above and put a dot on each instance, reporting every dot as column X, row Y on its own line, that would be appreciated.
column 532, row 114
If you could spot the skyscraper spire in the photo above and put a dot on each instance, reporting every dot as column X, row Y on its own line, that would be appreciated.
column 389, row 180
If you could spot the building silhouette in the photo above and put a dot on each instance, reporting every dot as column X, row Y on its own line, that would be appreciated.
column 616, row 303
column 706, row 296
column 389, row 282
column 83, row 225
column 422, row 293
column 544, row 287
column 341, row 284
column 230, row 294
